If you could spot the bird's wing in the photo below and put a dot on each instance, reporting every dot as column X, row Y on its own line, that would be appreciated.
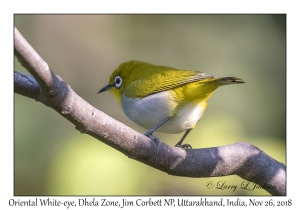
column 163, row 79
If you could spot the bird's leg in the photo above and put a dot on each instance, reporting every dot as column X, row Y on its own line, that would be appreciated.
column 149, row 132
column 185, row 146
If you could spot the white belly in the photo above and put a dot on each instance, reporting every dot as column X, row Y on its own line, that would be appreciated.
column 151, row 110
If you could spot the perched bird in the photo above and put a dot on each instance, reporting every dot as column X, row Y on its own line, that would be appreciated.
column 163, row 98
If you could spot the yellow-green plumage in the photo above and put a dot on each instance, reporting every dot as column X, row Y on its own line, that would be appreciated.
column 149, row 94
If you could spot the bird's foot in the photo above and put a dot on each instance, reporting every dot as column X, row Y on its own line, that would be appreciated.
column 153, row 138
column 184, row 146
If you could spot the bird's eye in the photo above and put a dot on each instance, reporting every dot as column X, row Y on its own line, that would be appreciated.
column 118, row 81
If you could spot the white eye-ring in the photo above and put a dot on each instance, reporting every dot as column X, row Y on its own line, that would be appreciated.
column 118, row 81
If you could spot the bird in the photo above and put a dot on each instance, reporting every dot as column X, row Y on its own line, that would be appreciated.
column 163, row 98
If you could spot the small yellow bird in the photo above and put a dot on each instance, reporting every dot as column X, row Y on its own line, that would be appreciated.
column 163, row 98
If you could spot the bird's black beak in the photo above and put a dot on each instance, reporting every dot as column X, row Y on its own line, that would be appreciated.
column 105, row 88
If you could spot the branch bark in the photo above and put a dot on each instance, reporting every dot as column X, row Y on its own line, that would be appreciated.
column 242, row 159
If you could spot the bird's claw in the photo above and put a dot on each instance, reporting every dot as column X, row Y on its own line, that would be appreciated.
column 153, row 138
column 184, row 146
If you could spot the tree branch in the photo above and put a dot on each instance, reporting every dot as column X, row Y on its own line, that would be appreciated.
column 241, row 159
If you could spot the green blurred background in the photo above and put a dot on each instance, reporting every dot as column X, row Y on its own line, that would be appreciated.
column 52, row 158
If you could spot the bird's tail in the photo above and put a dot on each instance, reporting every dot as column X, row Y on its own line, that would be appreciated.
column 229, row 80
